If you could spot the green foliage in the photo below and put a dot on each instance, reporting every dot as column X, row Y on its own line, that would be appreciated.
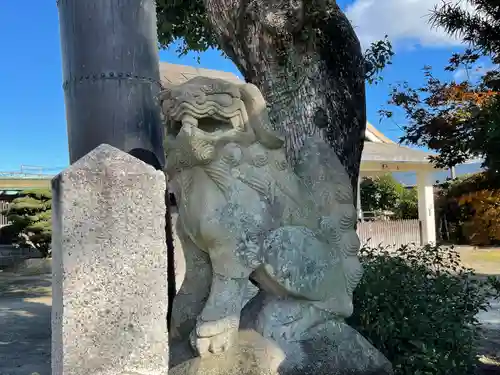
column 460, row 120
column 408, row 204
column 418, row 306
column 186, row 22
column 377, row 57
column 469, row 183
column 31, row 218
column 379, row 193
column 468, row 208
column 384, row 193
column 477, row 25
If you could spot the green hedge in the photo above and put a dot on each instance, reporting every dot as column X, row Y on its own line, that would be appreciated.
column 418, row 306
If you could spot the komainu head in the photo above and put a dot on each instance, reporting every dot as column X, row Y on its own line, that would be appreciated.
column 204, row 114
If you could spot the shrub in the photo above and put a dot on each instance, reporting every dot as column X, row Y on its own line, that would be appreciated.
column 379, row 193
column 418, row 306
column 470, row 208
column 483, row 224
column 407, row 207
column 7, row 235
column 31, row 218
column 470, row 183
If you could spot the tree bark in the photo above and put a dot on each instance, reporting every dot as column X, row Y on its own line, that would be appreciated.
column 307, row 61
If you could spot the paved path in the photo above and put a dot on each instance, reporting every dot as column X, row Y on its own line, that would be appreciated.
column 25, row 305
column 490, row 321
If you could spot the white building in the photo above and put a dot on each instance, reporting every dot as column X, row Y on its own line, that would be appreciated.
column 381, row 155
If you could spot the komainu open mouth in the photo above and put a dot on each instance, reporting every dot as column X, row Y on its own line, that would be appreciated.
column 208, row 119
column 211, row 125
column 205, row 124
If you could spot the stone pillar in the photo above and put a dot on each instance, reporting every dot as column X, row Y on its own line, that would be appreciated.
column 426, row 215
column 109, row 267
column 111, row 77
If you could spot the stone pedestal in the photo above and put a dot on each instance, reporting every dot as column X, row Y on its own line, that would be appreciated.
column 109, row 267
column 253, row 355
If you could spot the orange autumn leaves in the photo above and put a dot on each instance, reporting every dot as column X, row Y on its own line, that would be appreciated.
column 483, row 226
column 463, row 92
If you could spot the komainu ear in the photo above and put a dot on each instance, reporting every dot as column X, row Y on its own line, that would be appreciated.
column 258, row 117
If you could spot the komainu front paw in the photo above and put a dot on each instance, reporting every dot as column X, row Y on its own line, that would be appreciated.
column 215, row 336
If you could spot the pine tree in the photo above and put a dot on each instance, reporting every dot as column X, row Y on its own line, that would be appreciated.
column 31, row 218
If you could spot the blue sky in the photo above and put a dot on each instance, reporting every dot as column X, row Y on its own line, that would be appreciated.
column 32, row 114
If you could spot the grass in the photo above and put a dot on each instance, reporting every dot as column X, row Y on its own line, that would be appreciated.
column 484, row 262
column 485, row 256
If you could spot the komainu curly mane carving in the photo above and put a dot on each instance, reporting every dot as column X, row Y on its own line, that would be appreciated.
column 291, row 232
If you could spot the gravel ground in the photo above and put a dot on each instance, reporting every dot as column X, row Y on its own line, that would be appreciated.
column 25, row 306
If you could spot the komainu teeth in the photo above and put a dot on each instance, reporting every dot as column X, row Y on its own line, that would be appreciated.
column 236, row 123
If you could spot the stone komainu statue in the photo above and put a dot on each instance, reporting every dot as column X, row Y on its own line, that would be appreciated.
column 289, row 231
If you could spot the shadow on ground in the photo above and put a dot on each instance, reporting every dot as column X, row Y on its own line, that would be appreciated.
column 25, row 331
column 25, row 339
column 489, row 347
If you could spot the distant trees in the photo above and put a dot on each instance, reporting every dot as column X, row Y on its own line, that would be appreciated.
column 384, row 193
column 468, row 209
column 31, row 218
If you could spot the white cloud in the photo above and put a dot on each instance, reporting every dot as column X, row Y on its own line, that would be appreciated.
column 474, row 73
column 460, row 74
column 406, row 22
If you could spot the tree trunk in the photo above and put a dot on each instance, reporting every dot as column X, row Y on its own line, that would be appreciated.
column 307, row 61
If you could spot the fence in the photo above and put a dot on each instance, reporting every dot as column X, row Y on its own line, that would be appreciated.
column 389, row 232
column 3, row 219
